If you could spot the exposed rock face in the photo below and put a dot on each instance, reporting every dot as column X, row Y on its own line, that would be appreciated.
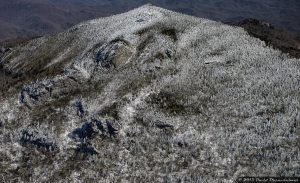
column 148, row 96
column 114, row 54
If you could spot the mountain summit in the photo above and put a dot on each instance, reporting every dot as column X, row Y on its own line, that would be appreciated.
column 148, row 96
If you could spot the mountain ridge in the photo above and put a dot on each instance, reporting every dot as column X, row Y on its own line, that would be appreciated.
column 149, row 95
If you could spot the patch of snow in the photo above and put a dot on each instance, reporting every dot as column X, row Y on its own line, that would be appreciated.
column 85, row 73
column 128, row 112
column 212, row 60
column 59, row 58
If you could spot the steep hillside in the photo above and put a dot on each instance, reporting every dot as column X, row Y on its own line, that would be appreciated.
column 285, row 41
column 148, row 96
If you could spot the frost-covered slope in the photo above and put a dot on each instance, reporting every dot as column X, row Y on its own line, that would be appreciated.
column 148, row 96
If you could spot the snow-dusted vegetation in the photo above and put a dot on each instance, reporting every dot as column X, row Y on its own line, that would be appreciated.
column 148, row 96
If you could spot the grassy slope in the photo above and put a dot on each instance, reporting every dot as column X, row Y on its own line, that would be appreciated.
column 197, row 100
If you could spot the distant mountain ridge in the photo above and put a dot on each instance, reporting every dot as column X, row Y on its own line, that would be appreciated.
column 27, row 18
column 285, row 41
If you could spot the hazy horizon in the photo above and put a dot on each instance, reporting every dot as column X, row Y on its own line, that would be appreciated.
column 26, row 18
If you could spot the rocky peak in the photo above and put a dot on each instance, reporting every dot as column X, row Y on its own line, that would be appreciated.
column 148, row 96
